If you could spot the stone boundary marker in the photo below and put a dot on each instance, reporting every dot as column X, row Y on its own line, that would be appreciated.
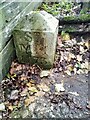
column 35, row 39
column 11, row 13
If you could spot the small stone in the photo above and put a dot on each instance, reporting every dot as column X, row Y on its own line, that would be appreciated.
column 14, row 95
column 2, row 107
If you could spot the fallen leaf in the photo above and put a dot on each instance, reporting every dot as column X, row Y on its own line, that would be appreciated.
column 29, row 84
column 70, row 56
column 83, row 65
column 74, row 93
column 70, row 67
column 59, row 87
column 86, row 71
column 81, row 49
column 24, row 92
column 19, row 67
column 29, row 100
column 80, row 43
column 79, row 72
column 86, row 64
column 68, row 72
column 75, row 70
column 32, row 81
column 43, row 87
column 87, row 44
column 23, row 77
column 32, row 89
column 39, row 93
column 79, row 57
column 44, row 73
column 10, row 107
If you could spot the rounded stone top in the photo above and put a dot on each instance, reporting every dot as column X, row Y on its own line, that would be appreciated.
column 38, row 21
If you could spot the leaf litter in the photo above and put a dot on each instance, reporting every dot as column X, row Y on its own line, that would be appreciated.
column 24, row 83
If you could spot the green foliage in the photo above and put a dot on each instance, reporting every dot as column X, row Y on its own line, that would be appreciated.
column 82, row 17
column 56, row 8
column 51, row 9
column 63, row 8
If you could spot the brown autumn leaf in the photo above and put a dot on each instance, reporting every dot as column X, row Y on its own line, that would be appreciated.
column 29, row 100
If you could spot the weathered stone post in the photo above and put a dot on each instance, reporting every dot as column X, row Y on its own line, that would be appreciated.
column 11, row 12
column 35, row 39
